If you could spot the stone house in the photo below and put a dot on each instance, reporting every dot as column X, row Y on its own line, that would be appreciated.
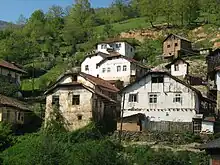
column 11, row 72
column 163, row 97
column 175, row 46
column 121, row 68
column 14, row 111
column 213, row 149
column 82, row 98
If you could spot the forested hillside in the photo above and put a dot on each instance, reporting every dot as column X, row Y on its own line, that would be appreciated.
column 53, row 41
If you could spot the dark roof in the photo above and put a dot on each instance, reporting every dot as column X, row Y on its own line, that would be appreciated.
column 112, row 40
column 126, row 58
column 214, row 144
column 95, row 54
column 11, row 66
column 74, row 84
column 213, row 53
column 210, row 119
column 173, row 77
column 12, row 102
column 180, row 37
column 175, row 60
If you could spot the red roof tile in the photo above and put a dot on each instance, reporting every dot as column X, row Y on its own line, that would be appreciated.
column 8, row 101
column 10, row 66
column 100, row 82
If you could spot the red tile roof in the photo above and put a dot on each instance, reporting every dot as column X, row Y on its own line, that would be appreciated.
column 12, row 102
column 11, row 66
column 100, row 82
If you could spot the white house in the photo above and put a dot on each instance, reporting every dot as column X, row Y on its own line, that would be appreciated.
column 117, row 45
column 122, row 68
column 89, row 64
column 11, row 72
column 178, row 67
column 82, row 98
column 163, row 97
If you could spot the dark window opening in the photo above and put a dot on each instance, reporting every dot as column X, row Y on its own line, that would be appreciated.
column 75, row 78
column 86, row 67
column 133, row 97
column 79, row 117
column 157, row 79
column 176, row 44
column 168, row 46
column 177, row 98
column 131, row 49
column 76, row 100
column 152, row 98
column 55, row 100
column 176, row 67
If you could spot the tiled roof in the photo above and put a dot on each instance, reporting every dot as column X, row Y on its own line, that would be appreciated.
column 95, row 54
column 215, row 144
column 112, row 40
column 121, row 56
column 11, row 102
column 180, row 37
column 100, row 82
column 10, row 66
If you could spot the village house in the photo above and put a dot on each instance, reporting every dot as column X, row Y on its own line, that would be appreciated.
column 121, row 68
column 175, row 46
column 213, row 149
column 14, row 111
column 82, row 98
column 120, row 46
column 165, row 99
column 11, row 72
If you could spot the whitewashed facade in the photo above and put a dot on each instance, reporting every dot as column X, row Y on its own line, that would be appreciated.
column 121, row 68
column 122, row 48
column 178, row 67
column 163, row 97
column 89, row 64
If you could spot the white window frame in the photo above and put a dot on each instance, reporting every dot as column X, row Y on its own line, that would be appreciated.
column 124, row 68
column 118, row 68
column 108, row 69
column 87, row 68
column 176, row 67
column 133, row 98
column 153, row 98
column 103, row 70
column 177, row 98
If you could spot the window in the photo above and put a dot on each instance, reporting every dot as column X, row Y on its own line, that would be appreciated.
column 124, row 68
column 176, row 44
column 131, row 49
column 19, row 115
column 176, row 67
column 75, row 100
column 158, row 79
column 55, row 100
column 118, row 45
column 177, row 98
column 103, row 70
column 86, row 67
column 74, row 78
column 133, row 97
column 79, row 117
column 152, row 98
column 105, row 46
column 168, row 46
column 118, row 68
column 102, row 46
column 108, row 69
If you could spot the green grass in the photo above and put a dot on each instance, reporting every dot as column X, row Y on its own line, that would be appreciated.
column 130, row 24
column 50, row 76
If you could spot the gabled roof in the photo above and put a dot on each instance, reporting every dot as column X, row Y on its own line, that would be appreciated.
column 177, row 36
column 173, row 77
column 174, row 61
column 105, row 85
column 74, row 84
column 124, row 57
column 95, row 54
column 10, row 66
column 12, row 102
column 214, row 144
column 113, row 40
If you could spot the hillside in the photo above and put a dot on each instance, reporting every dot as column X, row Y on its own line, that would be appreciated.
column 3, row 24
